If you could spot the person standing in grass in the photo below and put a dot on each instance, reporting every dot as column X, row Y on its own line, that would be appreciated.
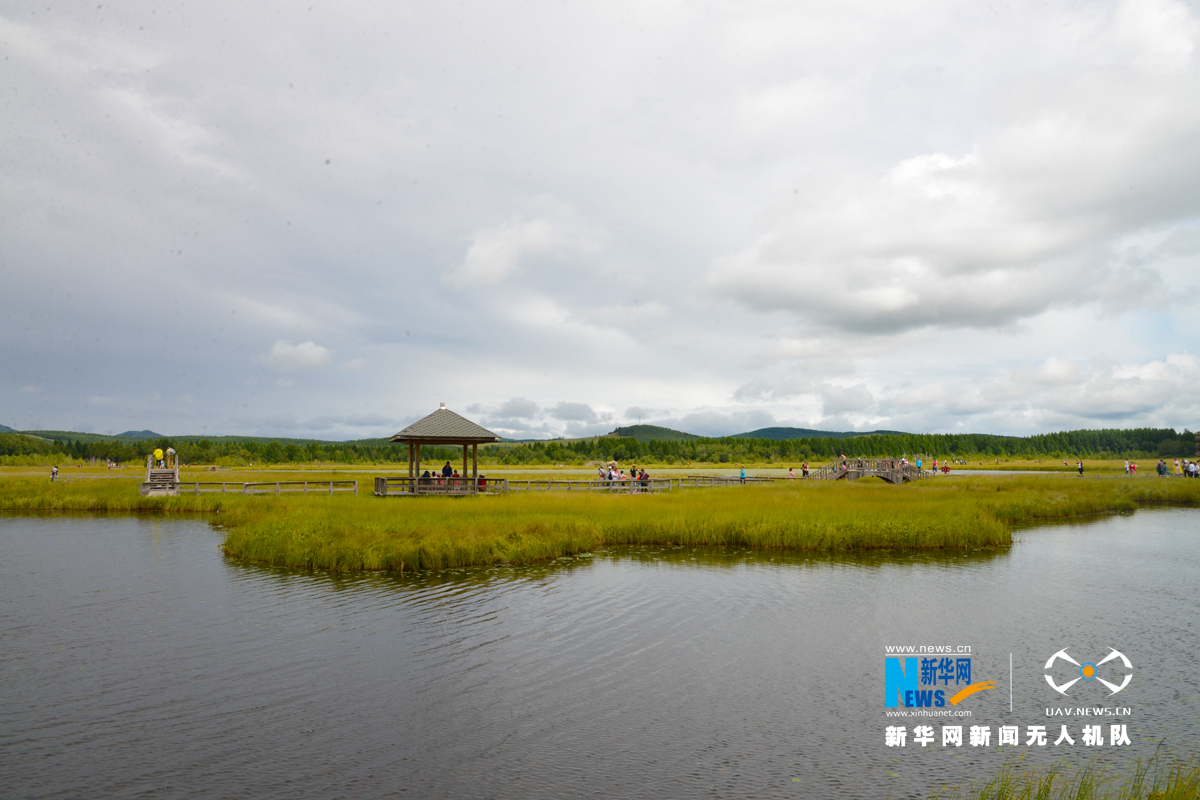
column 1081, row 467
column 53, row 474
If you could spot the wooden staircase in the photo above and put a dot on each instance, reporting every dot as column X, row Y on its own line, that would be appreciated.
column 160, row 482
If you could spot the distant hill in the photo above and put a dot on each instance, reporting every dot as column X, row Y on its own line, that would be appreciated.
column 6, row 429
column 806, row 433
column 139, row 435
column 66, row 436
column 646, row 433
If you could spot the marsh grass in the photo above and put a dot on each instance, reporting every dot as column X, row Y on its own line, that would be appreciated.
column 402, row 534
column 1155, row 778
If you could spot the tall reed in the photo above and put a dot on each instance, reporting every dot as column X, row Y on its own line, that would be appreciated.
column 1155, row 778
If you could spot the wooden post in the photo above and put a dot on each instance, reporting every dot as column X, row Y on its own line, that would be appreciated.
column 464, row 472
column 475, row 463
column 418, row 480
column 410, row 460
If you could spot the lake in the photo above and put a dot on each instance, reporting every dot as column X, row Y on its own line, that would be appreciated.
column 137, row 661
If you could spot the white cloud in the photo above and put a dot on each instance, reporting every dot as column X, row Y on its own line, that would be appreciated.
column 496, row 253
column 284, row 355
column 627, row 318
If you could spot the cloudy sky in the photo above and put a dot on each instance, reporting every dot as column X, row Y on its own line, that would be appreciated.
column 323, row 218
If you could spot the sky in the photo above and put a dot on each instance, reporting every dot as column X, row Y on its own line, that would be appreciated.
column 322, row 219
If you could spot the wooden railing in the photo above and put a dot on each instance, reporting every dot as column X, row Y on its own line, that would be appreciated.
column 629, row 485
column 725, row 480
column 269, row 487
column 397, row 486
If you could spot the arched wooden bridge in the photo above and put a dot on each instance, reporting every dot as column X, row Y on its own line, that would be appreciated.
column 890, row 469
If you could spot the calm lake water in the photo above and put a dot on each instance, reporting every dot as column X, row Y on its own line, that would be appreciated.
column 136, row 661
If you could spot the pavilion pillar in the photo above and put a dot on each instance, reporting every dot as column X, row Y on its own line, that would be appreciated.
column 418, row 474
column 410, row 461
column 475, row 463
column 464, row 472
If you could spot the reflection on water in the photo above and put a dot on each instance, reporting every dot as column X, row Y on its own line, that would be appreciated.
column 137, row 660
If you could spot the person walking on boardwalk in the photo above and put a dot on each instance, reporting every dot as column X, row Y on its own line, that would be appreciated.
column 170, row 462
column 791, row 473
column 1081, row 466
column 158, row 457
column 53, row 474
column 743, row 469
column 804, row 469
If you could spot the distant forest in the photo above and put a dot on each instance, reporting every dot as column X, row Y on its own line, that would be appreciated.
column 1110, row 443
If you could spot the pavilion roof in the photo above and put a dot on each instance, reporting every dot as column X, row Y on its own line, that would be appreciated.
column 445, row 427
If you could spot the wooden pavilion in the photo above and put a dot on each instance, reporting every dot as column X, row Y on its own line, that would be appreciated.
column 444, row 427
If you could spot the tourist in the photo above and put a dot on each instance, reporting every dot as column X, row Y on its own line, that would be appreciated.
column 804, row 469
column 170, row 462
column 791, row 473
column 447, row 470
column 158, row 457
column 53, row 474
column 1081, row 467
column 1178, row 470
column 743, row 469
column 1133, row 469
column 1127, row 466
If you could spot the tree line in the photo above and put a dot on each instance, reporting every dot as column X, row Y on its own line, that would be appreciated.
column 1107, row 443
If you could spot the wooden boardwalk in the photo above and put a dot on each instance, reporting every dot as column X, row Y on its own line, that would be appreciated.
column 403, row 486
column 268, row 487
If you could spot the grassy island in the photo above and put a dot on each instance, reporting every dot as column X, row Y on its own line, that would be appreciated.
column 402, row 534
